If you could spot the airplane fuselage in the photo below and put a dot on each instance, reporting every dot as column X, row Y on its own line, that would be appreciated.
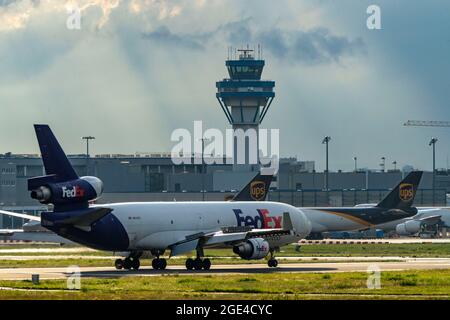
column 350, row 218
column 423, row 212
column 157, row 225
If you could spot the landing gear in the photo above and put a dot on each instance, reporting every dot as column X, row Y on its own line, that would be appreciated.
column 135, row 264
column 131, row 262
column 198, row 263
column 189, row 264
column 272, row 262
column 127, row 264
column 159, row 264
column 118, row 264
column 206, row 264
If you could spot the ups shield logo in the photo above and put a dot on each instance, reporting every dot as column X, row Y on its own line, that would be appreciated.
column 257, row 190
column 406, row 192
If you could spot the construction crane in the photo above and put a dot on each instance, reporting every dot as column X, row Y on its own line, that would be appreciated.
column 421, row 123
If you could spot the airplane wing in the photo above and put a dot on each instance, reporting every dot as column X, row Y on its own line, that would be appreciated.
column 431, row 219
column 20, row 215
column 229, row 236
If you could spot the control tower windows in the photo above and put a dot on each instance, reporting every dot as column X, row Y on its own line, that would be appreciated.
column 245, row 72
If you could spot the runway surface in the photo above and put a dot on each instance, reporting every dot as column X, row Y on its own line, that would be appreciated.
column 322, row 267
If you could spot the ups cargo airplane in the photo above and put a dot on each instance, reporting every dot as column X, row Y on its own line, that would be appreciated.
column 426, row 216
column 395, row 207
column 253, row 229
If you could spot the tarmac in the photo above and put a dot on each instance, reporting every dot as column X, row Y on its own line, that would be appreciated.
column 307, row 267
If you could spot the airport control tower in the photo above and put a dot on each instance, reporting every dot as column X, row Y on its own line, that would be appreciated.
column 245, row 100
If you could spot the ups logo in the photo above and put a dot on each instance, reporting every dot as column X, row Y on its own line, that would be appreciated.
column 257, row 190
column 406, row 192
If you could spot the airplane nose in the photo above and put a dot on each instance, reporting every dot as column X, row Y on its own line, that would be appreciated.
column 301, row 223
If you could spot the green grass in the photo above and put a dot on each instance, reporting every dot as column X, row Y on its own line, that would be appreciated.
column 429, row 284
column 365, row 250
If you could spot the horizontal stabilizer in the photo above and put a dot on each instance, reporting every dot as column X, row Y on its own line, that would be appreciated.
column 81, row 219
column 86, row 219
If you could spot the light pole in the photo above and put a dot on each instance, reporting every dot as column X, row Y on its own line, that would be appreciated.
column 356, row 163
column 433, row 143
column 203, row 167
column 325, row 141
column 395, row 165
column 383, row 163
column 87, row 138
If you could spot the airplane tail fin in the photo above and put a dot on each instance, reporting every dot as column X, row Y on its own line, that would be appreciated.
column 53, row 156
column 402, row 196
column 256, row 190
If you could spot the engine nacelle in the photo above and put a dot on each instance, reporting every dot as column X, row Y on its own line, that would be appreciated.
column 75, row 191
column 252, row 249
column 408, row 227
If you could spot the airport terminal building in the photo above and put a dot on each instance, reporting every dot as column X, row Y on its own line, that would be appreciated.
column 154, row 177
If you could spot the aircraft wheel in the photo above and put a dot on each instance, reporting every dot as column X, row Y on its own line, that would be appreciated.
column 189, row 264
column 127, row 263
column 136, row 264
column 198, row 264
column 118, row 264
column 272, row 263
column 206, row 264
column 162, row 264
column 155, row 264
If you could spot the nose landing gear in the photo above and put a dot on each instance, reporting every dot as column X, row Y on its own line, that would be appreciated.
column 272, row 262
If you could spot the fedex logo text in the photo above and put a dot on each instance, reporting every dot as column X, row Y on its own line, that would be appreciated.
column 260, row 221
column 75, row 192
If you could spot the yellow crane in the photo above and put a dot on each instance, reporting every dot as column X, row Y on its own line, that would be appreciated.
column 424, row 123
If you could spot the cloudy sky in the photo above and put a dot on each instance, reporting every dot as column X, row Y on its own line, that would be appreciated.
column 138, row 69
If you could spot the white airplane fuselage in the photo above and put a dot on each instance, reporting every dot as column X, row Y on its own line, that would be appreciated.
column 157, row 225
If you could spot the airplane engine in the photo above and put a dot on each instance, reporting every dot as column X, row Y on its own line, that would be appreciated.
column 408, row 227
column 79, row 190
column 252, row 249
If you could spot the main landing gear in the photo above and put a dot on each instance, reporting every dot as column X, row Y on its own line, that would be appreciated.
column 158, row 263
column 127, row 263
column 198, row 263
column 272, row 262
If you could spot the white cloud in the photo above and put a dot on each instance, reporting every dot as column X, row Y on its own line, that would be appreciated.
column 132, row 90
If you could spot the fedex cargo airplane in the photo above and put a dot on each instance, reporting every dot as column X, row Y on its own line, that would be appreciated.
column 253, row 230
